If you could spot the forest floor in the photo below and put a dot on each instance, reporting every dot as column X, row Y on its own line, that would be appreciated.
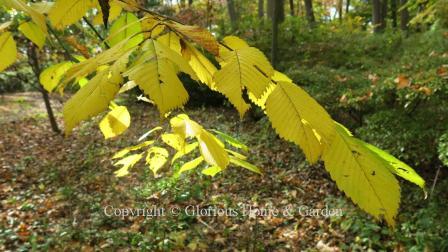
column 54, row 190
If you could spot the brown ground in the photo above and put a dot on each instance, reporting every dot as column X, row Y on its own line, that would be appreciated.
column 53, row 189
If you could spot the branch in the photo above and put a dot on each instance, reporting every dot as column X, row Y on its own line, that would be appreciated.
column 67, row 53
column 96, row 32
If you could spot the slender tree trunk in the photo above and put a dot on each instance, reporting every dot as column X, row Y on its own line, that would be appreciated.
column 260, row 9
column 384, row 9
column 340, row 4
column 274, row 41
column 278, row 15
column 393, row 12
column 291, row 7
column 376, row 15
column 33, row 60
column 190, row 2
column 347, row 7
column 232, row 14
column 309, row 12
column 404, row 16
column 270, row 9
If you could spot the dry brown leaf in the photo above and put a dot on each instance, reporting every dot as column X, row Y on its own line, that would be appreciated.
column 442, row 71
column 402, row 81
column 199, row 35
column 425, row 90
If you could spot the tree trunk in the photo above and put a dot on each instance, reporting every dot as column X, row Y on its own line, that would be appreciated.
column 274, row 39
column 309, row 12
column 291, row 7
column 404, row 16
column 232, row 14
column 270, row 9
column 190, row 2
column 33, row 60
column 393, row 12
column 376, row 15
column 340, row 4
column 347, row 7
column 278, row 15
column 260, row 9
column 384, row 9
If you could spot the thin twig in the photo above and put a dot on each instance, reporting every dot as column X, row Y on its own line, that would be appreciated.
column 96, row 32
column 434, row 182
column 67, row 53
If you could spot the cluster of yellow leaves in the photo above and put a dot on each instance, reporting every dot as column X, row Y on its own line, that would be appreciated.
column 185, row 138
column 152, row 51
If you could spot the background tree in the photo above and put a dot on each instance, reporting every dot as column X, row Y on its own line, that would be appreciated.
column 309, row 12
column 233, row 14
column 376, row 16
column 404, row 15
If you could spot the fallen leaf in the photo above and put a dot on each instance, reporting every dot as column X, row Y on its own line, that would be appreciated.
column 402, row 81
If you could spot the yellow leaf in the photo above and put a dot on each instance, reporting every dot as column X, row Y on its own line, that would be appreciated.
column 279, row 76
column 5, row 25
column 363, row 176
column 170, row 40
column 20, row 5
column 42, row 7
column 173, row 140
column 88, row 66
column 8, row 50
column 185, row 127
column 126, row 150
column 33, row 33
column 114, row 12
column 212, row 170
column 396, row 166
column 67, row 12
column 50, row 77
column 212, row 150
column 245, row 164
column 203, row 68
column 152, row 26
column 115, row 122
column 236, row 154
column 127, row 86
column 261, row 102
column 242, row 68
column 191, row 165
column 149, row 133
column 127, row 27
column 188, row 149
column 231, row 140
column 95, row 96
column 297, row 117
column 155, row 72
column 234, row 42
column 156, row 158
column 127, row 163
column 197, row 34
